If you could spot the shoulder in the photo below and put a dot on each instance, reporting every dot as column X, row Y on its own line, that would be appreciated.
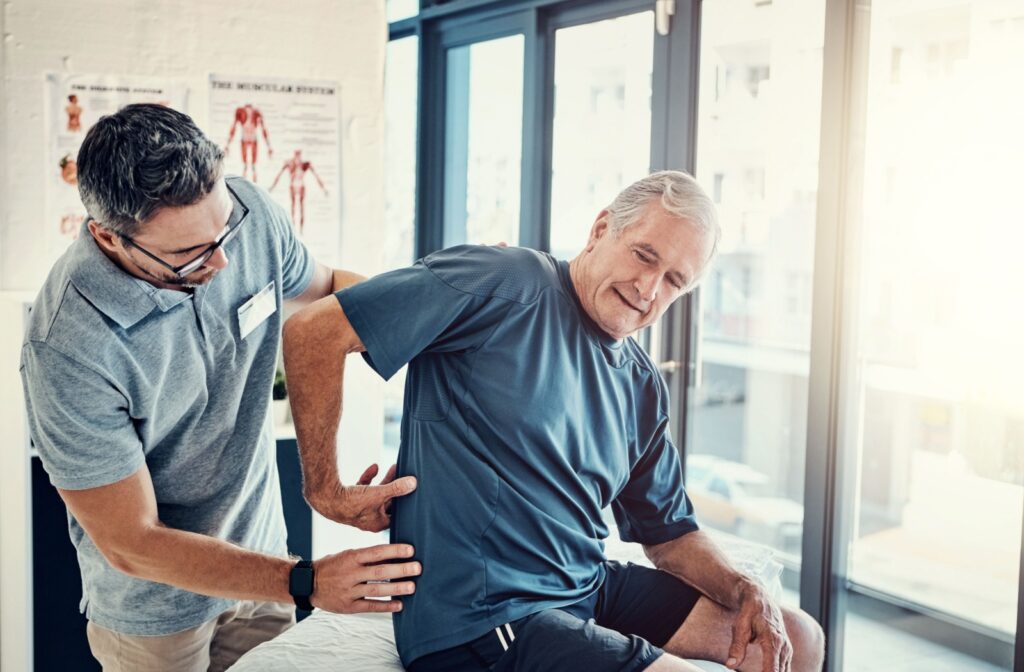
column 513, row 273
column 65, row 325
column 647, row 373
column 264, row 211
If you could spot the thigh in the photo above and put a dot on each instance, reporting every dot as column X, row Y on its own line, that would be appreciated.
column 251, row 624
column 554, row 640
column 187, row 651
column 649, row 603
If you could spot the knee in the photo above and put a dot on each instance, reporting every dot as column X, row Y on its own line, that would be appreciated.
column 807, row 638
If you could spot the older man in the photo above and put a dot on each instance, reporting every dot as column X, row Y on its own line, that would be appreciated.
column 147, row 367
column 529, row 410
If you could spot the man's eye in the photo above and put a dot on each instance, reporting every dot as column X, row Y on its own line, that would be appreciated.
column 642, row 257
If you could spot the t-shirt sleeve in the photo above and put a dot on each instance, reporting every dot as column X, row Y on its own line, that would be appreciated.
column 653, row 507
column 447, row 302
column 79, row 422
column 297, row 264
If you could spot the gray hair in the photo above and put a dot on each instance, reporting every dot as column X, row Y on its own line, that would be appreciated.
column 679, row 194
column 143, row 158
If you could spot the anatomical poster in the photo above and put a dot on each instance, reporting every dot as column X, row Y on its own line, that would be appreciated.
column 284, row 135
column 74, row 104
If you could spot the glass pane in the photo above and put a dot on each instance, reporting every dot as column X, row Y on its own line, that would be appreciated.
column 483, row 142
column 400, row 107
column 602, row 124
column 757, row 155
column 935, row 415
column 401, row 9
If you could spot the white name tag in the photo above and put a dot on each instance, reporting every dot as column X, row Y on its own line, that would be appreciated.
column 257, row 309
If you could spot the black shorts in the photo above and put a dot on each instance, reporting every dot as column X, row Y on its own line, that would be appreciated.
column 618, row 628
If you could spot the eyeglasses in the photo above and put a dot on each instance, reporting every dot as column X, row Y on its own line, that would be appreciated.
column 239, row 213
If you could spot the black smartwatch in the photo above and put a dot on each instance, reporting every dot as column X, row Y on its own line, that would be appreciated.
column 300, row 584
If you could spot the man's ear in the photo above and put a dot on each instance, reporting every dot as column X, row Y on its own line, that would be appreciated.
column 104, row 237
column 599, row 229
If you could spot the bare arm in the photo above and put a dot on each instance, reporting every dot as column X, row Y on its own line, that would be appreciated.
column 326, row 281
column 317, row 339
column 697, row 559
column 231, row 134
column 122, row 520
column 318, row 180
column 277, row 177
column 266, row 138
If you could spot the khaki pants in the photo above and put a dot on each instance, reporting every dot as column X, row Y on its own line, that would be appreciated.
column 214, row 645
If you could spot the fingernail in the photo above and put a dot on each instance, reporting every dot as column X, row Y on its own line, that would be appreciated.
column 409, row 551
column 730, row 662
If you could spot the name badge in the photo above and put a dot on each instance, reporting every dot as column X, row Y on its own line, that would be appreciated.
column 256, row 310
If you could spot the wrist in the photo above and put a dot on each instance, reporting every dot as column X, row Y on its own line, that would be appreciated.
column 302, row 584
column 746, row 588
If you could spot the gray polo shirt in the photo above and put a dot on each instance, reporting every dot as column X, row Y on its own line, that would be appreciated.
column 119, row 373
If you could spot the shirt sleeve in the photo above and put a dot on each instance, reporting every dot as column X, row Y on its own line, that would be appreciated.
column 653, row 507
column 79, row 422
column 446, row 302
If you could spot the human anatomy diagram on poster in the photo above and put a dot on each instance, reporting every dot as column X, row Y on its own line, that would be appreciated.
column 284, row 135
column 74, row 104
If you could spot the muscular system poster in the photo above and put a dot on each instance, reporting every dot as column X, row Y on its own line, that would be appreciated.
column 74, row 104
column 284, row 135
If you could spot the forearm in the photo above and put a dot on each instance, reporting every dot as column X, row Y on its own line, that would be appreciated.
column 697, row 559
column 204, row 565
column 315, row 348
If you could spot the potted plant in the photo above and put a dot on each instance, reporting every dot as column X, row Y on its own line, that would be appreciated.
column 279, row 393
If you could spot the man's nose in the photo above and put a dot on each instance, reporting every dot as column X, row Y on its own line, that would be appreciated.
column 647, row 287
column 218, row 260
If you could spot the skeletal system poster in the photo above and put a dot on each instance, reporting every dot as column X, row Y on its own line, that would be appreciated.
column 284, row 135
column 74, row 104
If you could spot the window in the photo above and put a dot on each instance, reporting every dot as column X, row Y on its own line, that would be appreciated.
column 934, row 369
column 602, row 121
column 747, row 410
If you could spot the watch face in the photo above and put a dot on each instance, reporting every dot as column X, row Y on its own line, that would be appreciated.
column 300, row 582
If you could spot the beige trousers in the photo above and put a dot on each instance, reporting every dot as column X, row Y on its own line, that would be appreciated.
column 214, row 645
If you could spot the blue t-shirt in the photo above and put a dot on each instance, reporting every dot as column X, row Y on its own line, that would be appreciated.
column 522, row 421
column 118, row 373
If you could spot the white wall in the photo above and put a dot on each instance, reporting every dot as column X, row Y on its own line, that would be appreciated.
column 340, row 40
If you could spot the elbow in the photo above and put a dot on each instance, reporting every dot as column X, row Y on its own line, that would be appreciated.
column 128, row 554
column 122, row 562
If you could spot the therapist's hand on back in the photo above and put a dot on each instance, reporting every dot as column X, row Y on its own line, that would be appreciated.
column 364, row 505
column 345, row 580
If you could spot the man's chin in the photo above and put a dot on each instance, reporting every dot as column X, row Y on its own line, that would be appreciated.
column 193, row 283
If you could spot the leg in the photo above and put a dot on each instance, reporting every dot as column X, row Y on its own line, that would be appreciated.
column 248, row 152
column 707, row 633
column 254, row 623
column 555, row 640
column 291, row 192
column 244, row 149
column 187, row 651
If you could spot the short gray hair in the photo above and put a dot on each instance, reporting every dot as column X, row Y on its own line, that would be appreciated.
column 140, row 159
column 679, row 194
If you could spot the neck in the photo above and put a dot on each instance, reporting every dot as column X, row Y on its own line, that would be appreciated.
column 576, row 268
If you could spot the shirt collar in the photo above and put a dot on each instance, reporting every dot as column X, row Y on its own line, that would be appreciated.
column 117, row 294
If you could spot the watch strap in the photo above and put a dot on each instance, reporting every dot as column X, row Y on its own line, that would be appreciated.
column 301, row 584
